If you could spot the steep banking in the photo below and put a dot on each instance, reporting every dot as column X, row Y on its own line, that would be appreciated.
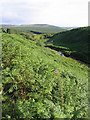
column 39, row 83
column 72, row 43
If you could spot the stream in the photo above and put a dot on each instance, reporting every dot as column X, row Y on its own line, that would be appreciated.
column 61, row 54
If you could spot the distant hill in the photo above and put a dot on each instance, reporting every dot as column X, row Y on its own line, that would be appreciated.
column 42, row 28
column 40, row 25
column 69, row 28
column 72, row 43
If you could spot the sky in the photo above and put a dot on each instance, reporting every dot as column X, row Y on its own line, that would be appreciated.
column 63, row 13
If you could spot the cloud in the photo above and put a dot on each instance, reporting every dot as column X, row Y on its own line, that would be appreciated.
column 65, row 14
column 56, row 12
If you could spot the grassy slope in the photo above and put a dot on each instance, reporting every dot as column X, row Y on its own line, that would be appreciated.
column 73, row 42
column 39, row 28
column 32, row 89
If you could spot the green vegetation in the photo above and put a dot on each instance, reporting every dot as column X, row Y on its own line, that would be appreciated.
column 42, row 28
column 72, row 43
column 39, row 83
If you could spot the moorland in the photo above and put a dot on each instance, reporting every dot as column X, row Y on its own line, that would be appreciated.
column 37, row 82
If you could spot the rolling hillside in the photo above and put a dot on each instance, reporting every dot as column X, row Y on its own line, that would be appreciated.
column 39, row 83
column 42, row 28
column 72, row 43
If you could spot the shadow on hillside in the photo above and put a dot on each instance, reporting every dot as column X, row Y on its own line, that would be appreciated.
column 67, row 49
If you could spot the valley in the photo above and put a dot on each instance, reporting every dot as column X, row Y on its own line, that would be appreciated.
column 38, row 81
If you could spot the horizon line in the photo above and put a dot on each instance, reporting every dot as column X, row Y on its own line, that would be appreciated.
column 40, row 24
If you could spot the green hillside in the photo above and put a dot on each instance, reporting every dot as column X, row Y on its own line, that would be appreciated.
column 72, row 43
column 43, row 28
column 39, row 83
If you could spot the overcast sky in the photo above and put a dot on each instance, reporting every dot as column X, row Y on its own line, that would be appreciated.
column 64, row 13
